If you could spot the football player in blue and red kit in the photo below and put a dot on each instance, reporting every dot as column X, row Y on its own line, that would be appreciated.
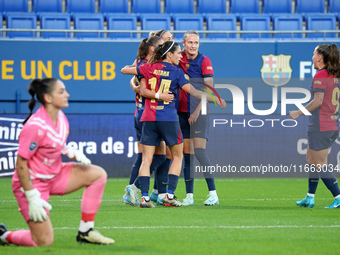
column 160, row 118
column 194, row 125
column 323, row 126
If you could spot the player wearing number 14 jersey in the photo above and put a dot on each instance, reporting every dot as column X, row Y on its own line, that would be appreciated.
column 160, row 119
column 323, row 127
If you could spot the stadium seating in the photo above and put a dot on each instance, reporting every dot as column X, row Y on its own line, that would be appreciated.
column 140, row 6
column 179, row 6
column 22, row 21
column 277, row 6
column 223, row 22
column 308, row 6
column 212, row 6
column 187, row 22
column 80, row 6
column 321, row 22
column 55, row 21
column 244, row 6
column 155, row 22
column 255, row 22
column 334, row 6
column 88, row 21
column 14, row 6
column 285, row 22
column 116, row 6
column 121, row 21
column 47, row 6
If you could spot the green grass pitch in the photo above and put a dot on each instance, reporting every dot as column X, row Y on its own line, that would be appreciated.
column 255, row 216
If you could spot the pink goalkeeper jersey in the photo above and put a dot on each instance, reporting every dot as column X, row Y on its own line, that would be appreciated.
column 41, row 142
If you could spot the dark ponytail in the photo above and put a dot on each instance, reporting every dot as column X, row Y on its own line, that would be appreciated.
column 37, row 89
column 162, row 50
column 330, row 55
column 144, row 46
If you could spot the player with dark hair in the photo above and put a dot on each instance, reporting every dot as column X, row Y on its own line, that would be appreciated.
column 195, row 126
column 131, row 196
column 160, row 118
column 323, row 127
column 40, row 172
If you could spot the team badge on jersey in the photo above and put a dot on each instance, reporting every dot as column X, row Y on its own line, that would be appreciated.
column 33, row 146
column 276, row 70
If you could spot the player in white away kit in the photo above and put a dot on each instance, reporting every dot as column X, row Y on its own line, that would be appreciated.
column 40, row 172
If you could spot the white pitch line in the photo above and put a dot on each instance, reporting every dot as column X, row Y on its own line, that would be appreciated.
column 208, row 227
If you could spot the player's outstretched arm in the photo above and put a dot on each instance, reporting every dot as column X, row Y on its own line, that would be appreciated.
column 129, row 70
column 311, row 106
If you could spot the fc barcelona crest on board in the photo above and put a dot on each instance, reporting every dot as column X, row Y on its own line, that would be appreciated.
column 276, row 70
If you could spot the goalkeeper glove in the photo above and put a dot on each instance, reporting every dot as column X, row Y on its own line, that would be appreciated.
column 36, row 206
column 77, row 155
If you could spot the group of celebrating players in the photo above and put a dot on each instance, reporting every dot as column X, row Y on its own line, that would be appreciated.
column 169, row 127
column 160, row 119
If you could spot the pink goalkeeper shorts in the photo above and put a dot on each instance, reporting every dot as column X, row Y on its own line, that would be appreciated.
column 55, row 186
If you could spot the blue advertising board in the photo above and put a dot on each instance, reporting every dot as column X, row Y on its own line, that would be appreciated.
column 91, row 70
column 238, row 146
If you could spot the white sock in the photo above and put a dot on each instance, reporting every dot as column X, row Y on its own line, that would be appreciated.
column 147, row 198
column 311, row 195
column 155, row 191
column 86, row 225
column 190, row 195
column 161, row 196
column 170, row 196
column 213, row 192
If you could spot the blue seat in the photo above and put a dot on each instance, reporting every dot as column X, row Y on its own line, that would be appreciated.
column 14, row 6
column 47, row 6
column 212, row 6
column 221, row 22
column 55, row 21
column 80, row 6
column 244, row 6
column 121, row 21
column 255, row 22
column 88, row 21
column 285, row 22
column 22, row 21
column 325, row 21
column 179, row 6
column 155, row 22
column 141, row 6
column 187, row 22
column 334, row 6
column 114, row 6
column 277, row 6
column 307, row 6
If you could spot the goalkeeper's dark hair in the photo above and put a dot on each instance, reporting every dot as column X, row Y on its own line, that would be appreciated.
column 144, row 46
column 162, row 50
column 37, row 89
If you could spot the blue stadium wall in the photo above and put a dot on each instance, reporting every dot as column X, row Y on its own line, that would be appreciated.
column 102, row 103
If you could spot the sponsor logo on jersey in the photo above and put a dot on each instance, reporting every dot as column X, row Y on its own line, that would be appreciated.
column 33, row 146
column 276, row 70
